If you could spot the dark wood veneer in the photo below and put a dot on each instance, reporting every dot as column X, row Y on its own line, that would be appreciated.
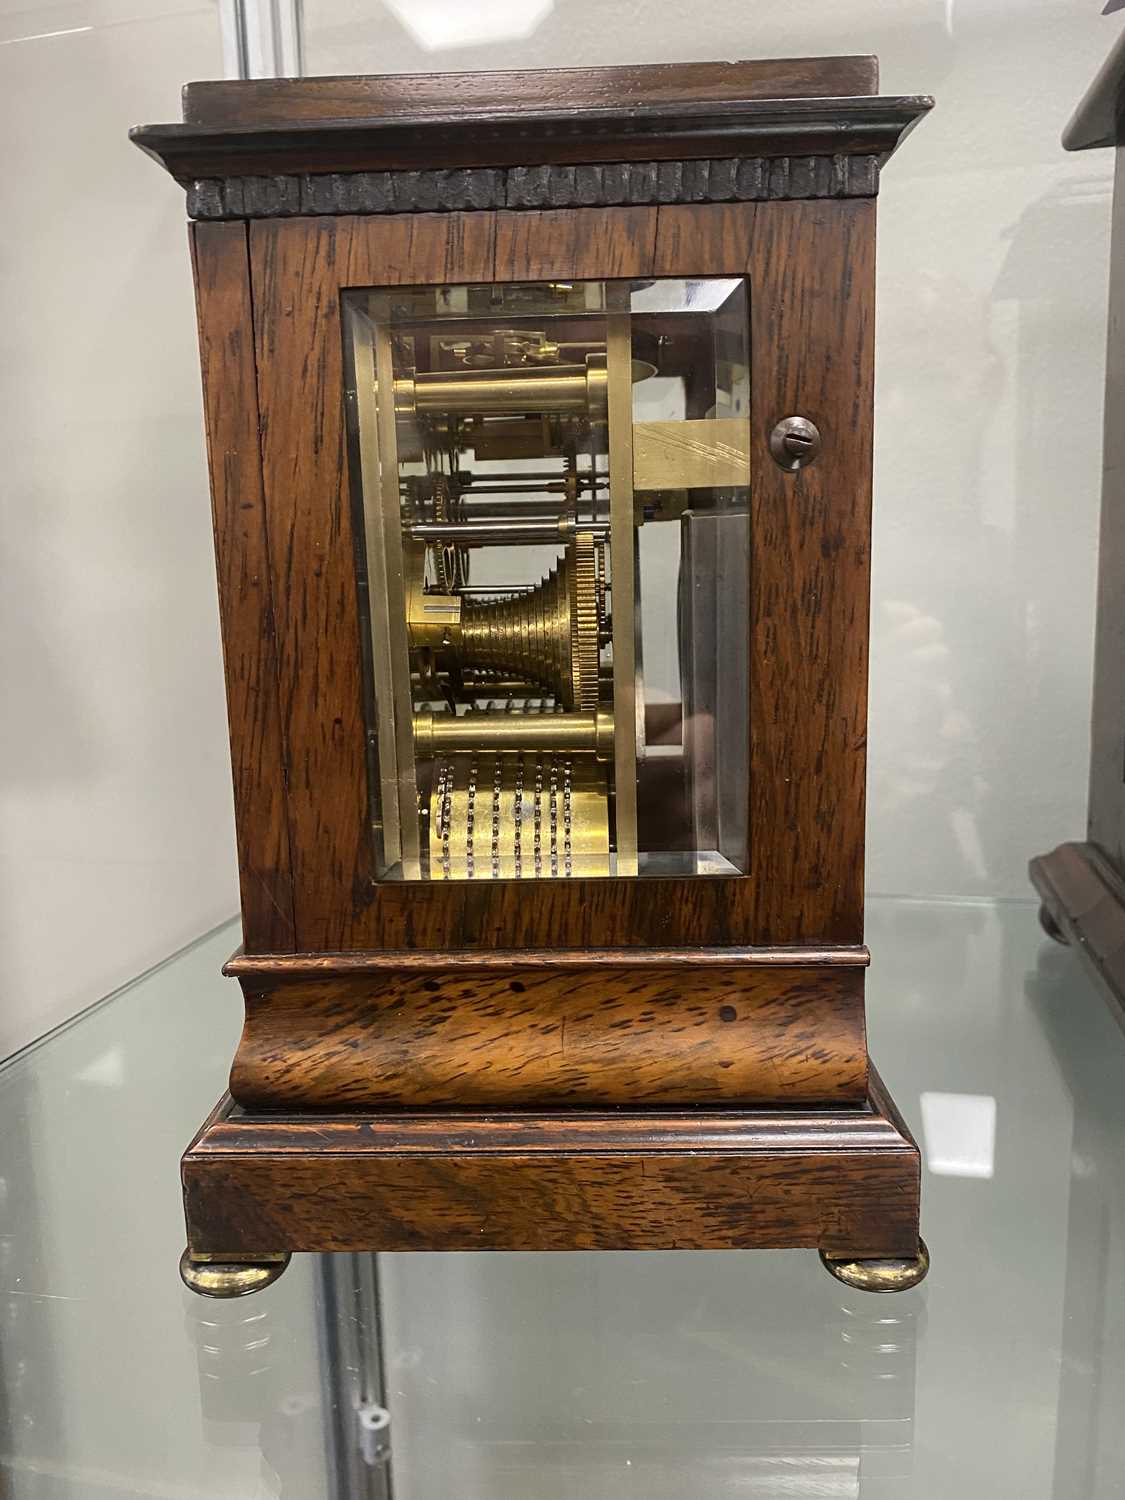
column 811, row 270
column 505, row 1133
column 630, row 1036
column 281, row 101
column 512, row 137
column 310, row 965
column 842, row 1181
column 226, row 349
column 548, row 1064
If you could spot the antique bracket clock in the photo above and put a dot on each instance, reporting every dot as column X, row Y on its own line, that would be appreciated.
column 539, row 420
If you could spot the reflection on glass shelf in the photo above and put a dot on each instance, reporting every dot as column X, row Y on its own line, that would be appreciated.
column 658, row 1375
column 523, row 1377
column 959, row 1133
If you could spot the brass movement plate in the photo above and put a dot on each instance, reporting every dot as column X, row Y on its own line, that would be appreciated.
column 714, row 451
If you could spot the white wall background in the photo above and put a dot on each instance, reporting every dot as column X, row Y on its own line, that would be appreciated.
column 115, row 824
column 116, row 841
column 992, row 285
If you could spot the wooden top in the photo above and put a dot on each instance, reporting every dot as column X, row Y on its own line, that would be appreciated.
column 283, row 101
column 1099, row 117
column 408, row 122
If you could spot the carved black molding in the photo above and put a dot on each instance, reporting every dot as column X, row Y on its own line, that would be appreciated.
column 609, row 185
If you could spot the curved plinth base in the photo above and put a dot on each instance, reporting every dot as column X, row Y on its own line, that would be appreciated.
column 227, row 1278
column 880, row 1275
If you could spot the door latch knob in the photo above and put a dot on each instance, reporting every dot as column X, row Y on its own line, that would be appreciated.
column 795, row 442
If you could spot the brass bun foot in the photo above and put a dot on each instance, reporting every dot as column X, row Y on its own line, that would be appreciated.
column 229, row 1278
column 880, row 1275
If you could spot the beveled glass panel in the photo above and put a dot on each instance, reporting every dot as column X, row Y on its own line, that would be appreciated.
column 552, row 484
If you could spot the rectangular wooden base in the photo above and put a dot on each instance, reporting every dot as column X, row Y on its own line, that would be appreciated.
column 842, row 1179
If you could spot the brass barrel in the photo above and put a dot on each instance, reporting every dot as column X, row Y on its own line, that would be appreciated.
column 560, row 389
column 502, row 531
column 442, row 734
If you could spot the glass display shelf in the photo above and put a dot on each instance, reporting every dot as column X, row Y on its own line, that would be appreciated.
column 537, row 1377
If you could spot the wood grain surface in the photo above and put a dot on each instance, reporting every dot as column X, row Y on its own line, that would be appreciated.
column 584, row 1132
column 519, row 1038
column 279, row 101
column 271, row 966
column 812, row 287
column 811, row 274
column 620, row 131
column 226, row 350
column 298, row 270
column 844, row 1180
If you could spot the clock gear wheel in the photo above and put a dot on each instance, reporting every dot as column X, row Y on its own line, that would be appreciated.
column 549, row 635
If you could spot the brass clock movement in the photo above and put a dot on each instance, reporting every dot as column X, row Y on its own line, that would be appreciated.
column 520, row 728
column 539, row 420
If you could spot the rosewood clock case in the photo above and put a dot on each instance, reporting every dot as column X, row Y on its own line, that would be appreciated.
column 539, row 413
